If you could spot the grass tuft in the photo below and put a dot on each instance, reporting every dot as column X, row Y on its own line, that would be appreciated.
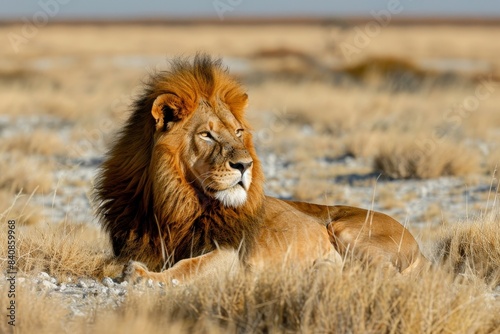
column 64, row 250
column 472, row 249
column 404, row 159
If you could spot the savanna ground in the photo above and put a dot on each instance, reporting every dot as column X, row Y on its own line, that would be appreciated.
column 407, row 122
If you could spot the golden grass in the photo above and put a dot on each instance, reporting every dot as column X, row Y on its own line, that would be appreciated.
column 315, row 301
column 319, row 299
column 493, row 161
column 19, row 208
column 387, row 198
column 454, row 296
column 365, row 144
column 307, row 189
column 24, row 173
column 472, row 249
column 392, row 129
column 36, row 312
column 39, row 142
column 66, row 250
column 356, row 115
column 403, row 158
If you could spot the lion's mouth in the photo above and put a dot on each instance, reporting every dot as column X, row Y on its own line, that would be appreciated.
column 234, row 186
column 232, row 194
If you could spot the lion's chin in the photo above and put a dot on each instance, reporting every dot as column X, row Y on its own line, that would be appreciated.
column 233, row 197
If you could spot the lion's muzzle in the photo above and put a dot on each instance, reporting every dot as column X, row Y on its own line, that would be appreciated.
column 241, row 166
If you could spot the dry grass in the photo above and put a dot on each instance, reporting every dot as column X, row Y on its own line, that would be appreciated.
column 493, row 161
column 355, row 112
column 24, row 173
column 316, row 301
column 387, row 198
column 472, row 249
column 319, row 299
column 404, row 158
column 382, row 127
column 308, row 189
column 39, row 142
column 37, row 312
column 19, row 208
column 365, row 144
column 62, row 249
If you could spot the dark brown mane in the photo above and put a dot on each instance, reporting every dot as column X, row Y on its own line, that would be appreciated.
column 141, row 193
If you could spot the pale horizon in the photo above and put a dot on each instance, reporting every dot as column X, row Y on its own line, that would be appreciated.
column 129, row 9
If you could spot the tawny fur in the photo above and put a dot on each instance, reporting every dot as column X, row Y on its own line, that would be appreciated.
column 159, row 212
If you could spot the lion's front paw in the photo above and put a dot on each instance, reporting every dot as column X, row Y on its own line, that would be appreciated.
column 134, row 272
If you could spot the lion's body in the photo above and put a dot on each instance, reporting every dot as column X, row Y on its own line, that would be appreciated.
column 182, row 188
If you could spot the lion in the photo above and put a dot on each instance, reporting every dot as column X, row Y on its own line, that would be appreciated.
column 181, row 191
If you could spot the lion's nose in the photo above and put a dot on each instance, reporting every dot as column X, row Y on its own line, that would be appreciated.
column 241, row 166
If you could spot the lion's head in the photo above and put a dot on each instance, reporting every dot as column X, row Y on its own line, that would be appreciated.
column 184, row 169
column 210, row 143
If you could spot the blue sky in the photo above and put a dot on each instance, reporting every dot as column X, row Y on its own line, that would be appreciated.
column 17, row 9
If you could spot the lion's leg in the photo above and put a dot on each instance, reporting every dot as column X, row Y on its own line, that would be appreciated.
column 418, row 266
column 210, row 265
column 377, row 238
column 372, row 235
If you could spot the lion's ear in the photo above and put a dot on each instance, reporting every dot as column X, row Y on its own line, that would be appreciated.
column 244, row 100
column 166, row 108
column 237, row 102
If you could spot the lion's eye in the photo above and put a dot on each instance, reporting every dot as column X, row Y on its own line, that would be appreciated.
column 206, row 135
column 239, row 132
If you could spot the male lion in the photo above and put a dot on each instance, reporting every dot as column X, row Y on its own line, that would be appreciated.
column 182, row 188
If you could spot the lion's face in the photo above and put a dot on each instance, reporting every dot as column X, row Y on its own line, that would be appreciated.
column 213, row 152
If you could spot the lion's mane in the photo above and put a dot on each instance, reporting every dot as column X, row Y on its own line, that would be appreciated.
column 141, row 193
